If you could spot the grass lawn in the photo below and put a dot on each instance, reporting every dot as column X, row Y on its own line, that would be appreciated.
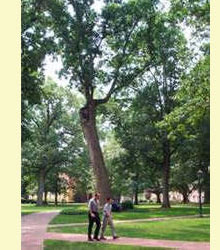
column 27, row 212
column 65, row 245
column 32, row 208
column 176, row 229
column 78, row 213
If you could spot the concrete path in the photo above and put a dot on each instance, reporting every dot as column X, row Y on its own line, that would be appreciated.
column 33, row 229
column 131, row 221
column 181, row 245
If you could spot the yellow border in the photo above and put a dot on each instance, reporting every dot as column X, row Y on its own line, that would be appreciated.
column 10, row 124
column 10, row 20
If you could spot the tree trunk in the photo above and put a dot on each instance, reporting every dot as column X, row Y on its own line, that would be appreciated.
column 41, row 184
column 45, row 196
column 158, row 198
column 166, row 175
column 185, row 197
column 24, row 192
column 56, row 192
column 88, row 123
column 56, row 200
column 136, row 196
column 207, row 194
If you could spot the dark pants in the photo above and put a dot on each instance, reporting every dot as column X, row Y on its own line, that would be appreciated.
column 95, row 219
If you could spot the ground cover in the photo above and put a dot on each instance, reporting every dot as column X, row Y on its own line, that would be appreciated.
column 190, row 229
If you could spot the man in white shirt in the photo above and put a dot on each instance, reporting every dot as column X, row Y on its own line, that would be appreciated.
column 93, row 215
column 107, row 219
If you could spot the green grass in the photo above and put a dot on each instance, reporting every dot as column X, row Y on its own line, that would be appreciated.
column 27, row 212
column 139, row 212
column 64, row 245
column 175, row 229
column 32, row 208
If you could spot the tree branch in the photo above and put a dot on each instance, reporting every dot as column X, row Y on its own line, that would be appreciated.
column 112, row 88
column 159, row 94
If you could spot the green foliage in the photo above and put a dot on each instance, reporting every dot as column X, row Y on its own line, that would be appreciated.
column 194, row 17
column 127, row 205
column 159, row 89
column 36, row 43
column 190, row 121
column 72, row 212
column 195, row 13
column 115, row 46
column 55, row 145
column 194, row 104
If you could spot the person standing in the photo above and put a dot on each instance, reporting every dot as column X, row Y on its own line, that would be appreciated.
column 94, row 217
column 107, row 219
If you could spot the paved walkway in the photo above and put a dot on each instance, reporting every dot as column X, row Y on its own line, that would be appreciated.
column 131, row 221
column 181, row 245
column 33, row 229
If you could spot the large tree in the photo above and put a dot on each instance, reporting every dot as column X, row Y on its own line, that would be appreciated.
column 100, row 51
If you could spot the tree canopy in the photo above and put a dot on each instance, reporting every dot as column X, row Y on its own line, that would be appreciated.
column 135, row 113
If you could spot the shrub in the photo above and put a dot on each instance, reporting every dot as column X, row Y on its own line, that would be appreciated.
column 127, row 205
column 72, row 212
column 142, row 201
column 27, row 201
column 116, row 207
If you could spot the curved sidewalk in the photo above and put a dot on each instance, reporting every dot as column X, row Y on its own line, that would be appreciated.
column 181, row 245
column 33, row 229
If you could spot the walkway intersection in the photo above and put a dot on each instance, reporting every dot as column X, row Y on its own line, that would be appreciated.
column 34, row 232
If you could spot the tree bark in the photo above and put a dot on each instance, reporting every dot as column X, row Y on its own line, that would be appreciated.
column 88, row 123
column 166, row 174
column 24, row 192
column 56, row 192
column 185, row 197
column 136, row 196
column 56, row 200
column 41, row 184
column 158, row 198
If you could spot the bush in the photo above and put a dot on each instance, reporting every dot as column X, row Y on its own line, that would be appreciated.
column 127, row 205
column 32, row 201
column 116, row 207
column 27, row 201
column 72, row 212
column 142, row 201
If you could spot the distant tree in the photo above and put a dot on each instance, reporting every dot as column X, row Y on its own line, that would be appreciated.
column 191, row 119
column 50, row 145
column 35, row 45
